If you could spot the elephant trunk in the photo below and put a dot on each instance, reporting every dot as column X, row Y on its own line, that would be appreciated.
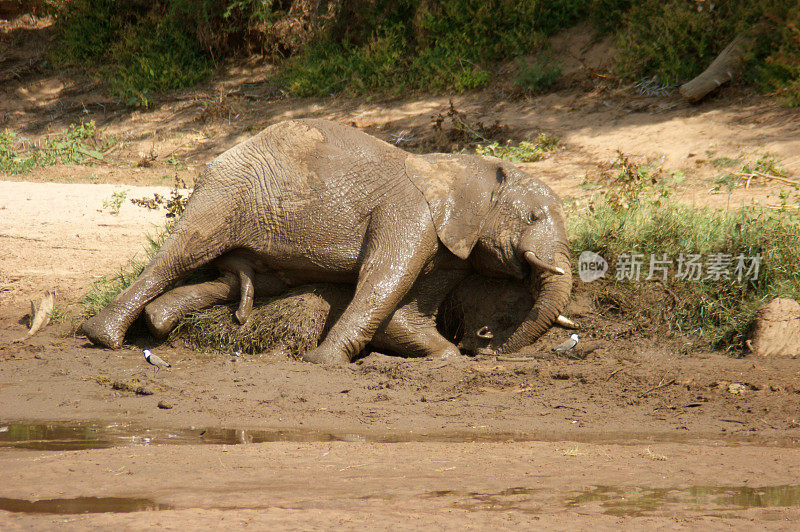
column 556, row 284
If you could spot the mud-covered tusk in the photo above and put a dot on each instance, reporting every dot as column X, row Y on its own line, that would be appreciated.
column 531, row 257
column 565, row 322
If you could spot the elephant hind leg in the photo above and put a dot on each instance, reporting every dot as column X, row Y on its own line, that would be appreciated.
column 194, row 243
column 163, row 313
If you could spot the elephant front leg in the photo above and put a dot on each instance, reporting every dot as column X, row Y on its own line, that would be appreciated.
column 412, row 331
column 395, row 256
column 412, row 334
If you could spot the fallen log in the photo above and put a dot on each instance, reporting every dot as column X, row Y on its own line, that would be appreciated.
column 724, row 68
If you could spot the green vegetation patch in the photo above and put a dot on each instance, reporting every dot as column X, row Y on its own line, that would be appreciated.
column 537, row 76
column 292, row 323
column 675, row 40
column 637, row 216
column 78, row 144
column 522, row 152
column 390, row 46
column 411, row 44
column 108, row 287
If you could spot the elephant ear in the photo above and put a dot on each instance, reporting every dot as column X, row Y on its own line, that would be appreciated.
column 460, row 191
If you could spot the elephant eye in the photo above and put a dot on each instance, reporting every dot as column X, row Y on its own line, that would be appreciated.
column 531, row 218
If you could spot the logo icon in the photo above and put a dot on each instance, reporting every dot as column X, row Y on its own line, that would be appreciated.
column 591, row 266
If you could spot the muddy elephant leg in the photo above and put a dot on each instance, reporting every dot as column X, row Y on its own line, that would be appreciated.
column 389, row 269
column 163, row 313
column 243, row 269
column 412, row 328
column 412, row 334
column 195, row 241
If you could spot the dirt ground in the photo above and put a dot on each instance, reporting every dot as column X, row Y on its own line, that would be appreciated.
column 645, row 432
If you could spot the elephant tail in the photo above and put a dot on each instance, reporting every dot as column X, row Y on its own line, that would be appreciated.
column 201, row 235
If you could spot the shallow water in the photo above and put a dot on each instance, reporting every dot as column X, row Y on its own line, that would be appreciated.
column 66, row 436
column 642, row 500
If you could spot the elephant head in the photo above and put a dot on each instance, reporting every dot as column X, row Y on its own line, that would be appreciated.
column 506, row 223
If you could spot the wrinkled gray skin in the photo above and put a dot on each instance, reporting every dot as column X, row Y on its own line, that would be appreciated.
column 315, row 201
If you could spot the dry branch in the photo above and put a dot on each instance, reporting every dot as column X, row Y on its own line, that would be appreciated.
column 724, row 68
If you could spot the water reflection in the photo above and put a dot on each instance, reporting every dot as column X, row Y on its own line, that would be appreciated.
column 638, row 501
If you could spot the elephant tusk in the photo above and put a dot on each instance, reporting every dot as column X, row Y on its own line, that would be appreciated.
column 531, row 257
column 565, row 322
column 484, row 333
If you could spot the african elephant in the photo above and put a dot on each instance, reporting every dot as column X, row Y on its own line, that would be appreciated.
column 315, row 201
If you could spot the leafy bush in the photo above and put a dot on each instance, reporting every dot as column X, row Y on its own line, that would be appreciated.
column 151, row 45
column 425, row 45
column 671, row 39
column 675, row 40
column 362, row 46
column 537, row 76
column 777, row 60
column 155, row 55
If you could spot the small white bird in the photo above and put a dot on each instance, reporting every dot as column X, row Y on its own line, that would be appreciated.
column 155, row 360
column 567, row 345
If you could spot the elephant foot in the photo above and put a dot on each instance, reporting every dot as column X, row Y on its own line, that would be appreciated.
column 323, row 355
column 100, row 332
column 160, row 320
column 449, row 353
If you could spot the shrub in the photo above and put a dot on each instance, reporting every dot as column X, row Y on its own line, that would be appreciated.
column 675, row 40
column 636, row 216
column 524, row 152
column 537, row 76
column 450, row 45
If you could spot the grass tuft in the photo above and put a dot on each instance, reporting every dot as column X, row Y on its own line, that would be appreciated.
column 523, row 152
column 640, row 217
column 78, row 144
column 108, row 287
column 292, row 323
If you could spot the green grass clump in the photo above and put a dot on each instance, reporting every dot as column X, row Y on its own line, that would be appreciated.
column 776, row 59
column 293, row 322
column 757, row 171
column 142, row 47
column 537, row 76
column 524, row 152
column 719, row 311
column 155, row 55
column 78, row 144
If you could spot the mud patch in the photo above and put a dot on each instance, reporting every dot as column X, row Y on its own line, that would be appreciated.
column 81, row 505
